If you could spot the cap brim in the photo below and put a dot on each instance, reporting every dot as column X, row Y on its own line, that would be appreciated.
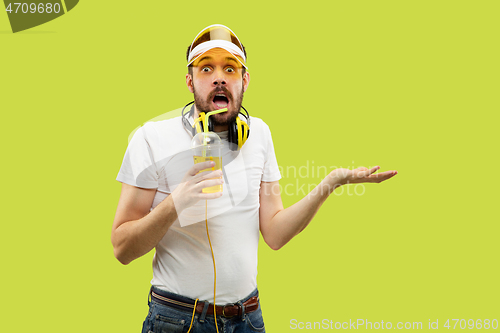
column 229, row 47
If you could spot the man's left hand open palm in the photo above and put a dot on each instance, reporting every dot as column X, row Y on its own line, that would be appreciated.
column 361, row 175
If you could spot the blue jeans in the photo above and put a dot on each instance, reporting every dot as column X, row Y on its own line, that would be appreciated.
column 168, row 319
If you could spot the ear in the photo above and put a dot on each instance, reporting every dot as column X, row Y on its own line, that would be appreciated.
column 246, row 81
column 189, row 82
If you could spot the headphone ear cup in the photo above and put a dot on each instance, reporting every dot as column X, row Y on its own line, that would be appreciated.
column 210, row 125
column 198, row 127
column 239, row 126
column 198, row 124
column 245, row 130
column 232, row 136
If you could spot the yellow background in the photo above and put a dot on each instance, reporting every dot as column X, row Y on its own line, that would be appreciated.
column 408, row 85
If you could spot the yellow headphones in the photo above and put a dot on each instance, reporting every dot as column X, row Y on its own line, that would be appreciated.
column 238, row 130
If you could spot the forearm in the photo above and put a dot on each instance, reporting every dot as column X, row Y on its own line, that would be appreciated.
column 289, row 222
column 135, row 238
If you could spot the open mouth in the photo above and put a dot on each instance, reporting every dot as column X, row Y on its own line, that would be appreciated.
column 220, row 101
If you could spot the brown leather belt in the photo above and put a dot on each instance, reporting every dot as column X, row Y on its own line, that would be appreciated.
column 228, row 310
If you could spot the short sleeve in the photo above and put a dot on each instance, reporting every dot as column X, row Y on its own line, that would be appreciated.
column 138, row 167
column 271, row 170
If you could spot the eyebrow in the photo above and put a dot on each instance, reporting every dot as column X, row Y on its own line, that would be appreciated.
column 205, row 58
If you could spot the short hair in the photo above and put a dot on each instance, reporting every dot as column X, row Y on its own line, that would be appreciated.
column 190, row 67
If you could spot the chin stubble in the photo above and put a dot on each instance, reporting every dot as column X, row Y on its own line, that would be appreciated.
column 202, row 107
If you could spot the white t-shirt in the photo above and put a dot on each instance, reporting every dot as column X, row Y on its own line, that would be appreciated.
column 158, row 156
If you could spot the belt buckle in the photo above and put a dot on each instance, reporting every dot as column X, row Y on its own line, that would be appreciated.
column 224, row 310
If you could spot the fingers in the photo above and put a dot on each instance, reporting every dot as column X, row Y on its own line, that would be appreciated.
column 200, row 166
column 209, row 196
column 365, row 172
column 365, row 175
column 380, row 177
column 207, row 175
column 208, row 183
column 372, row 170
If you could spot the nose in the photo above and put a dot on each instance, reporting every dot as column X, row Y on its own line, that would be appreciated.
column 219, row 78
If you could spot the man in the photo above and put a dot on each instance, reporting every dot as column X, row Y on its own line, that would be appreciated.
column 157, row 190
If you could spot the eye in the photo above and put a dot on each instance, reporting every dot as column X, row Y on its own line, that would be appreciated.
column 206, row 69
column 230, row 69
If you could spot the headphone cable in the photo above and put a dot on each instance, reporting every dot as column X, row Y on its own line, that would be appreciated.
column 213, row 259
column 215, row 274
